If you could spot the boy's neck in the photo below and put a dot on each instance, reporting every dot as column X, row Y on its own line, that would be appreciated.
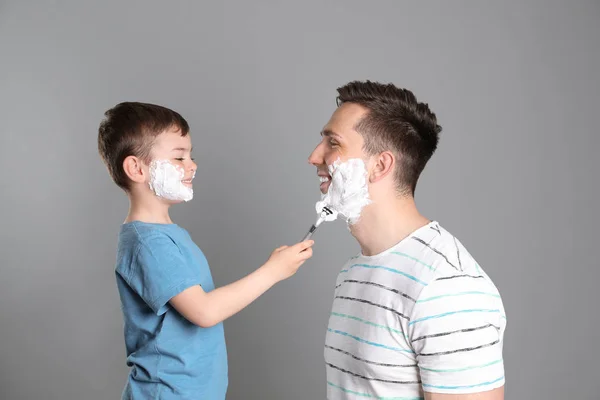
column 148, row 209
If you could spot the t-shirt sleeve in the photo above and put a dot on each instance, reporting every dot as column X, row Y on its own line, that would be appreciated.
column 456, row 330
column 160, row 272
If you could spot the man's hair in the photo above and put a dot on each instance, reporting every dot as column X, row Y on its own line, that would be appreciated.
column 395, row 122
column 129, row 129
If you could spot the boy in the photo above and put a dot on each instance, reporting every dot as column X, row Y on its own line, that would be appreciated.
column 172, row 312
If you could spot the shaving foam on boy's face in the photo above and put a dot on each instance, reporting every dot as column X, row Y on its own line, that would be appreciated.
column 167, row 181
column 348, row 192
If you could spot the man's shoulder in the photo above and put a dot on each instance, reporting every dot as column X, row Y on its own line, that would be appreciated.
column 455, row 270
column 429, row 255
column 447, row 255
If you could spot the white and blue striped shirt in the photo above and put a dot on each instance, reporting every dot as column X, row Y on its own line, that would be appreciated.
column 421, row 316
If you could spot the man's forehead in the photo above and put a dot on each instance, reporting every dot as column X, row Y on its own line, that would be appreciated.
column 345, row 118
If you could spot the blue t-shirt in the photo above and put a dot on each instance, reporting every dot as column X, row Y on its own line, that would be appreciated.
column 170, row 357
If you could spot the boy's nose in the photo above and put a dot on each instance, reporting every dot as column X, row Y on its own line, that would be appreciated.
column 193, row 168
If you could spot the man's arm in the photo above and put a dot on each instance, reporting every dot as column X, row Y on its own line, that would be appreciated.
column 208, row 309
column 496, row 394
column 456, row 331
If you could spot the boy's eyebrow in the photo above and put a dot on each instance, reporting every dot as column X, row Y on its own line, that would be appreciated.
column 183, row 149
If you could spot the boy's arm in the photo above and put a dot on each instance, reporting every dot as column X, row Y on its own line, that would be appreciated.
column 208, row 309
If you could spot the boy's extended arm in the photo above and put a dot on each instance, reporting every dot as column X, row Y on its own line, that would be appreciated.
column 208, row 309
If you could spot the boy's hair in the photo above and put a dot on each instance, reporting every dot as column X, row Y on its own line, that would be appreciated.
column 395, row 122
column 129, row 129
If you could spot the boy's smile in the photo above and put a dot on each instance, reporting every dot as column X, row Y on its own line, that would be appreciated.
column 177, row 149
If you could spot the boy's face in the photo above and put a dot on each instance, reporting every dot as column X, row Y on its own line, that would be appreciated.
column 172, row 166
column 339, row 141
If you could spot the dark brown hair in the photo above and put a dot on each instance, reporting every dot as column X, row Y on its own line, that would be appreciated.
column 130, row 128
column 396, row 122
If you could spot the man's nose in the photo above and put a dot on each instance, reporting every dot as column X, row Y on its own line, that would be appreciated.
column 316, row 157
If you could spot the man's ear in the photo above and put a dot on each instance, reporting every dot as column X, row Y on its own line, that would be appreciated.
column 384, row 165
column 134, row 169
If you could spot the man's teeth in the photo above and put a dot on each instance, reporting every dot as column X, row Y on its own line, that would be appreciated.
column 323, row 179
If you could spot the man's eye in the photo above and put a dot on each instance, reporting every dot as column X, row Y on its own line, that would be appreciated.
column 333, row 143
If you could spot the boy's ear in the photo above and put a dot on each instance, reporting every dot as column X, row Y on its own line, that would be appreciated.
column 134, row 169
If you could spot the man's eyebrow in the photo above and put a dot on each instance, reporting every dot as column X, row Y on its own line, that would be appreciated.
column 329, row 133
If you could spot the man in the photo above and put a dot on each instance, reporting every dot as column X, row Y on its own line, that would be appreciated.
column 414, row 316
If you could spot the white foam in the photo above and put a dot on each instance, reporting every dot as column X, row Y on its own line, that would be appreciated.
column 165, row 181
column 348, row 192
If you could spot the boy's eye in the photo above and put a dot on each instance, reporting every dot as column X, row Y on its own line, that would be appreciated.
column 179, row 159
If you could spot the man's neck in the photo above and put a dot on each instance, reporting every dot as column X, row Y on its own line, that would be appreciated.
column 384, row 224
column 148, row 209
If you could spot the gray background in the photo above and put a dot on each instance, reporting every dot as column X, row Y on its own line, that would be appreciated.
column 515, row 87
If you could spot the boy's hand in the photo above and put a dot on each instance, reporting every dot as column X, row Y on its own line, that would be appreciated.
column 285, row 260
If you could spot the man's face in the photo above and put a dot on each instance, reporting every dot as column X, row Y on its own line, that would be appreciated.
column 339, row 141
column 176, row 149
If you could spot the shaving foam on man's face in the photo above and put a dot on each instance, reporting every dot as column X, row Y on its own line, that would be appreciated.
column 348, row 192
column 168, row 181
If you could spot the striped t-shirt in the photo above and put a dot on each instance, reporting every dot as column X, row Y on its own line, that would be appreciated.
column 421, row 316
